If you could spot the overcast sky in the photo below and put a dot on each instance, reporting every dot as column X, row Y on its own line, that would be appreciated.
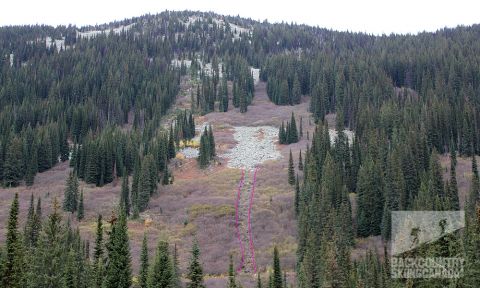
column 371, row 16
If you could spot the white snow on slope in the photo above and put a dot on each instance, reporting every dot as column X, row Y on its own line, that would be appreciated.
column 59, row 43
column 93, row 33
column 333, row 135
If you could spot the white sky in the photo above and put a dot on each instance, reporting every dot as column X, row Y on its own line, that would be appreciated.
column 371, row 16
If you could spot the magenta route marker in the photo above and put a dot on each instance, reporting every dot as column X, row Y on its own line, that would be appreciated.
column 252, row 194
column 237, row 202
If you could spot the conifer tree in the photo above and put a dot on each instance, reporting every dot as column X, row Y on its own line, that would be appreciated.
column 135, row 187
column 118, row 272
column 176, row 281
column 125, row 193
column 195, row 271
column 70, row 201
column 204, row 151
column 291, row 170
column 259, row 281
column 50, row 255
column 231, row 274
column 301, row 128
column 292, row 132
column 13, row 165
column 166, row 175
column 171, row 144
column 277, row 272
column 143, row 277
column 29, row 235
column 81, row 208
column 224, row 95
column 452, row 188
column 12, row 273
column 297, row 196
column 300, row 161
column 162, row 271
column 370, row 199
column 211, row 142
column 98, row 255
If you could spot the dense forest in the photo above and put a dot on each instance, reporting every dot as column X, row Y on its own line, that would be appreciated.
column 100, row 103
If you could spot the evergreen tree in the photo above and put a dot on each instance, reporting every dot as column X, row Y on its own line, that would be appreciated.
column 369, row 199
column 125, row 193
column 224, row 95
column 300, row 161
column 98, row 255
column 195, row 271
column 452, row 188
column 291, row 170
column 30, row 234
column 297, row 196
column 176, row 281
column 143, row 276
column 211, row 142
column 13, row 165
column 118, row 271
column 171, row 144
column 81, row 208
column 259, row 281
column 12, row 273
column 50, row 256
column 231, row 274
column 70, row 200
column 292, row 132
column 277, row 272
column 204, row 151
column 162, row 271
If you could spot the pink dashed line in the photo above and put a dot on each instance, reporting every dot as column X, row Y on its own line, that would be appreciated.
column 252, row 250
column 237, row 202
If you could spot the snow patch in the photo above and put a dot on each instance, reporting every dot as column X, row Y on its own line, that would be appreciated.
column 334, row 135
column 255, row 74
column 59, row 43
column 93, row 33
column 11, row 59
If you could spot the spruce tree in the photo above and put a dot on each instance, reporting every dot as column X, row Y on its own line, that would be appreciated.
column 195, row 271
column 70, row 200
column 176, row 281
column 162, row 271
column 98, row 255
column 125, row 193
column 291, row 170
column 211, row 142
column 29, row 234
column 297, row 196
column 452, row 188
column 143, row 276
column 292, row 133
column 300, row 161
column 13, row 165
column 12, row 273
column 171, row 144
column 204, row 154
column 277, row 272
column 81, row 208
column 231, row 274
column 118, row 272
column 259, row 281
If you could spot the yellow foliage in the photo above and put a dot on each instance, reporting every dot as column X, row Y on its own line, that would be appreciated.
column 187, row 143
column 148, row 222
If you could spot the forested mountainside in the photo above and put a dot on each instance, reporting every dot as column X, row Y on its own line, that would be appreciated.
column 106, row 99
